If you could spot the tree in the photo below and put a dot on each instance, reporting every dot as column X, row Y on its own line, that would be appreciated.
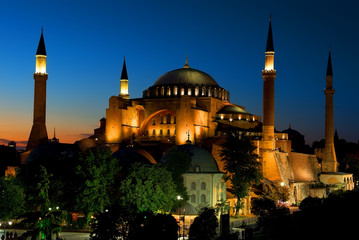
column 241, row 165
column 177, row 163
column 274, row 191
column 43, row 219
column 204, row 226
column 96, row 173
column 112, row 224
column 12, row 198
column 148, row 188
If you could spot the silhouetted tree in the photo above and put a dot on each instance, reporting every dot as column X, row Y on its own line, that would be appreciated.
column 204, row 226
column 241, row 164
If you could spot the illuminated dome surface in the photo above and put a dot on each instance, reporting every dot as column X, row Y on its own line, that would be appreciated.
column 186, row 81
column 186, row 77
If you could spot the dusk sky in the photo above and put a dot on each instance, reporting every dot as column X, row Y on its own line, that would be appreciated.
column 86, row 42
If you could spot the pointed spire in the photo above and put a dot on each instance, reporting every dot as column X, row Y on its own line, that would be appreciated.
column 41, row 50
column 329, row 67
column 124, row 70
column 186, row 64
column 270, row 46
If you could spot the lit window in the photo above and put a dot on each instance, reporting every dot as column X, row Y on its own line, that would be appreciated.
column 203, row 91
column 222, row 117
column 209, row 92
column 196, row 91
column 168, row 91
column 175, row 89
column 182, row 91
column 189, row 91
column 162, row 91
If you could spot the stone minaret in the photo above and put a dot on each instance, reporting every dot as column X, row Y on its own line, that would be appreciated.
column 124, row 82
column 270, row 169
column 329, row 162
column 38, row 133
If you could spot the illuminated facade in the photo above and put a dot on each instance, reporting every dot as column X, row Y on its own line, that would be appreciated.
column 188, row 105
column 181, row 103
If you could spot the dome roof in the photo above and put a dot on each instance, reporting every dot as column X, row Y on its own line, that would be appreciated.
column 202, row 160
column 185, row 77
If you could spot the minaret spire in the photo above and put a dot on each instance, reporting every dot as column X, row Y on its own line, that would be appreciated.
column 270, row 168
column 329, row 161
column 38, row 133
column 124, row 82
column 270, row 46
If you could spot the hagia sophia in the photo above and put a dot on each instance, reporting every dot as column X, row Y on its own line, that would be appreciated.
column 188, row 108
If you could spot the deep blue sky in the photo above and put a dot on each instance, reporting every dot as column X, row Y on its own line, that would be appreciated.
column 86, row 42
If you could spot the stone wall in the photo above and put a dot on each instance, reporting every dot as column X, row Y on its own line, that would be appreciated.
column 305, row 167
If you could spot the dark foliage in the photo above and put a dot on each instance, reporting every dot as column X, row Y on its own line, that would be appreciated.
column 204, row 226
column 118, row 223
column 330, row 218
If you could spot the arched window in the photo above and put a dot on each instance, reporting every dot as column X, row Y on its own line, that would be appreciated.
column 153, row 121
column 161, row 120
column 174, row 119
column 193, row 198
column 154, row 132
column 203, row 91
column 147, row 133
column 161, row 132
column 193, row 186
column 175, row 90
column 182, row 91
column 189, row 91
column 157, row 91
column 203, row 186
column 203, row 198
column 196, row 91
column 197, row 168
column 209, row 92
column 162, row 91
column 168, row 91
column 168, row 132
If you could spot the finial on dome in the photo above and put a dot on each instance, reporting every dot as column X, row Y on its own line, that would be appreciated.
column 188, row 140
column 186, row 65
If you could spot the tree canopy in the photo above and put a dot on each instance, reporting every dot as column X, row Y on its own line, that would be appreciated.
column 148, row 188
column 177, row 163
column 241, row 164
column 12, row 198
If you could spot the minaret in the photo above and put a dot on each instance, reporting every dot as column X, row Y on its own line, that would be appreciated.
column 329, row 162
column 270, row 169
column 124, row 82
column 38, row 133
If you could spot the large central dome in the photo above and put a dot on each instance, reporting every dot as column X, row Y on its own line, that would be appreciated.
column 186, row 81
column 186, row 77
